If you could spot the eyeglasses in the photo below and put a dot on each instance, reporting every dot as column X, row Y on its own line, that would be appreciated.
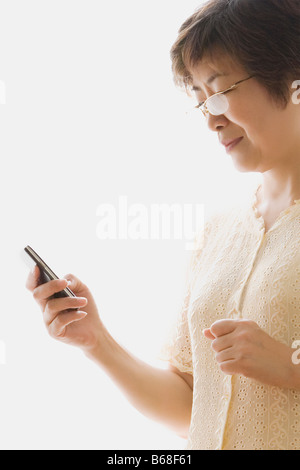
column 217, row 104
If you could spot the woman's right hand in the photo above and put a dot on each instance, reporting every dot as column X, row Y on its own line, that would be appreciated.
column 82, row 327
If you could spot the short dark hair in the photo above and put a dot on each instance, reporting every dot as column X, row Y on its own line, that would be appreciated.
column 263, row 36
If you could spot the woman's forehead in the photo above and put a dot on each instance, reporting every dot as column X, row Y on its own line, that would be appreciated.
column 210, row 68
column 217, row 59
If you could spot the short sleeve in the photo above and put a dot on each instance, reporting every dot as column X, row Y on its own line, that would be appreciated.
column 177, row 349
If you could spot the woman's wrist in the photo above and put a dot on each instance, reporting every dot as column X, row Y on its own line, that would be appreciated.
column 101, row 346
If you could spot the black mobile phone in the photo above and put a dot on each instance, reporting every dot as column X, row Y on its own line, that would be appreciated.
column 46, row 274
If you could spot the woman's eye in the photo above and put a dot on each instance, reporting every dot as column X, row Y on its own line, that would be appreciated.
column 199, row 104
column 200, row 99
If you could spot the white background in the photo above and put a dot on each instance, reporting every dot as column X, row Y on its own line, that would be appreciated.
column 91, row 114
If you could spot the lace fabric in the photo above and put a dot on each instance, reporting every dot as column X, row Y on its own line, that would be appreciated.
column 239, row 271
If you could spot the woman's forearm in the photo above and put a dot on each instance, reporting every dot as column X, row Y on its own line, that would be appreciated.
column 161, row 395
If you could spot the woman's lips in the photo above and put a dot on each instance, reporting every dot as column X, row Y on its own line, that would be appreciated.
column 232, row 144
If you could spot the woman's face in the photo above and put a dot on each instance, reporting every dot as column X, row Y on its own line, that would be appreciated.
column 270, row 134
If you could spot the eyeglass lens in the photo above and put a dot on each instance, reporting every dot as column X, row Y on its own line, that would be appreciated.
column 217, row 105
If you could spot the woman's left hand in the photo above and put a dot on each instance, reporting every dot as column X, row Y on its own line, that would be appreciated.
column 242, row 347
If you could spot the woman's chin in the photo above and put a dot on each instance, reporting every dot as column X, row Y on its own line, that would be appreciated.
column 243, row 167
column 244, row 164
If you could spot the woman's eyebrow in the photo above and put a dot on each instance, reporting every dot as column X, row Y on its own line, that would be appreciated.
column 210, row 80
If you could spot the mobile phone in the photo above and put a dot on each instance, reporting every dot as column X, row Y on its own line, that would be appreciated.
column 46, row 274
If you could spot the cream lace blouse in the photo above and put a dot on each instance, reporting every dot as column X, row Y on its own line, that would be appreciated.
column 239, row 271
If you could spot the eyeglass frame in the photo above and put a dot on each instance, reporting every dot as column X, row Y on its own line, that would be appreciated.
column 233, row 87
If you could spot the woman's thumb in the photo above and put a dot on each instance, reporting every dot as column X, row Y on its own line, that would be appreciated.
column 74, row 283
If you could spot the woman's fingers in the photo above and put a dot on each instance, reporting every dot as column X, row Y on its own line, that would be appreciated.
column 223, row 342
column 226, row 355
column 208, row 334
column 57, row 327
column 57, row 306
column 62, row 314
column 33, row 278
column 42, row 292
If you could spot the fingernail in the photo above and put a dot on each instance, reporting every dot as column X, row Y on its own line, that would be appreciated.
column 82, row 314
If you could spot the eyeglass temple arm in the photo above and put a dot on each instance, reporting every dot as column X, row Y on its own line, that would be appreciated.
column 222, row 92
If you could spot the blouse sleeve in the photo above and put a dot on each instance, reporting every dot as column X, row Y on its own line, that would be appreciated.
column 177, row 348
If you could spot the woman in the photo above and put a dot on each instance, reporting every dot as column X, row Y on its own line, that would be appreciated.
column 231, row 381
